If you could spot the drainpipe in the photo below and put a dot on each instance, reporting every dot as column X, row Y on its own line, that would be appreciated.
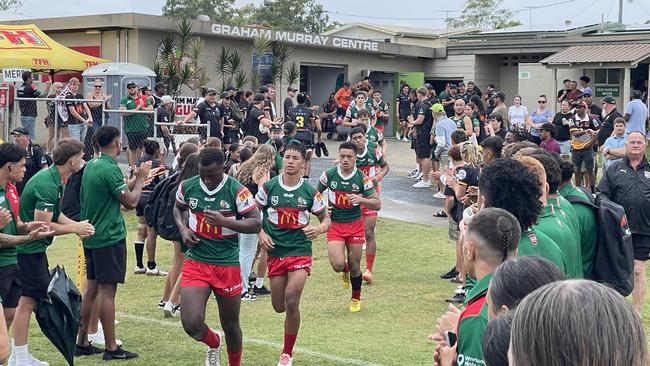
column 126, row 45
column 117, row 45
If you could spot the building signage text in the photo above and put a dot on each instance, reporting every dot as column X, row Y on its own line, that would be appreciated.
column 295, row 37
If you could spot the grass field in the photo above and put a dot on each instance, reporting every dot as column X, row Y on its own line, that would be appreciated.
column 399, row 309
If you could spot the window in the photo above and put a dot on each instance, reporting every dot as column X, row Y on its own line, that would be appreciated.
column 607, row 76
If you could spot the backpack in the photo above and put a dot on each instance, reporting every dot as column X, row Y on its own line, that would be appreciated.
column 614, row 259
column 153, row 204
column 71, row 202
column 159, row 211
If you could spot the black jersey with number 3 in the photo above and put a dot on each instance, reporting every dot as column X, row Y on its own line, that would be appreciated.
column 301, row 116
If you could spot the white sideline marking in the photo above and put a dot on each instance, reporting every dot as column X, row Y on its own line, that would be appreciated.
column 325, row 356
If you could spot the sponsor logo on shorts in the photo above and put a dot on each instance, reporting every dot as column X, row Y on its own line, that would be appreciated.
column 232, row 288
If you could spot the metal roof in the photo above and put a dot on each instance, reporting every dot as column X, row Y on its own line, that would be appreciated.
column 632, row 53
column 118, row 68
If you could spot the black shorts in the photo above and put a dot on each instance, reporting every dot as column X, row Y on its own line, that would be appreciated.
column 136, row 139
column 422, row 145
column 641, row 246
column 306, row 138
column 586, row 156
column 403, row 117
column 142, row 203
column 231, row 137
column 9, row 286
column 34, row 275
column 106, row 265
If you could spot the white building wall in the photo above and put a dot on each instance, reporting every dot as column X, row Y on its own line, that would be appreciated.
column 453, row 67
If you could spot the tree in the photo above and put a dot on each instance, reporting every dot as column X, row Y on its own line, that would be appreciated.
column 10, row 4
column 217, row 10
column 484, row 14
column 177, row 60
column 293, row 15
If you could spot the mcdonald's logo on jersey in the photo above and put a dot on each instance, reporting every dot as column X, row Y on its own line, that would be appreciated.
column 206, row 230
column 342, row 200
column 288, row 218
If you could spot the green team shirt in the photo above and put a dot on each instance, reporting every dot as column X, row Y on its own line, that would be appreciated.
column 471, row 325
column 374, row 135
column 567, row 214
column 551, row 225
column 9, row 201
column 278, row 158
column 370, row 160
column 339, row 187
column 136, row 122
column 533, row 242
column 43, row 192
column 588, row 226
column 353, row 110
column 102, row 183
column 380, row 107
column 217, row 244
column 286, row 212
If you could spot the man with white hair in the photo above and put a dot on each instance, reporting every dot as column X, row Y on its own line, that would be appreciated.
column 627, row 182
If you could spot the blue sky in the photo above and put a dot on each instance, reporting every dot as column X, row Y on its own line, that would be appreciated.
column 408, row 12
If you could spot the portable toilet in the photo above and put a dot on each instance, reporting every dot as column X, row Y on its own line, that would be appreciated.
column 116, row 75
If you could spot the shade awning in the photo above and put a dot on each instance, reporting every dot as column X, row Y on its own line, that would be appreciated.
column 26, row 46
column 618, row 53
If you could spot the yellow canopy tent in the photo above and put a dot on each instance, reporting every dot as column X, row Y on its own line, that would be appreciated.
column 26, row 46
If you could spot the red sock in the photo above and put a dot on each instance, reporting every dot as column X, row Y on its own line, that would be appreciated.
column 234, row 358
column 345, row 268
column 356, row 294
column 289, row 342
column 370, row 260
column 211, row 338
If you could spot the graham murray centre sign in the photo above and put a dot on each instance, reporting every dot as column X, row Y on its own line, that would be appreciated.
column 314, row 40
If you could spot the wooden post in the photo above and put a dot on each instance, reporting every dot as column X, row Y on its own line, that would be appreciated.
column 81, row 266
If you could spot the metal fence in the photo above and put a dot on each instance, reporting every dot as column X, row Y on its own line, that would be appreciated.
column 49, row 119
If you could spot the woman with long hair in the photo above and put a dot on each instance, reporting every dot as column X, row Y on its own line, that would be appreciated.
column 540, row 115
column 253, row 174
column 188, row 163
column 481, row 115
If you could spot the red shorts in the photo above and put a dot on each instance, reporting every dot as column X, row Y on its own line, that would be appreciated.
column 368, row 212
column 223, row 280
column 380, row 128
column 280, row 266
column 347, row 232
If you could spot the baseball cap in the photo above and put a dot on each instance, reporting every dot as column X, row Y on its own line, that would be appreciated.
column 263, row 89
column 225, row 95
column 587, row 92
column 276, row 127
column 347, row 83
column 259, row 98
column 166, row 99
column 211, row 91
column 453, row 86
column 231, row 88
column 437, row 108
column 609, row 100
column 19, row 131
column 580, row 104
column 131, row 84
column 292, row 89
column 428, row 86
column 461, row 84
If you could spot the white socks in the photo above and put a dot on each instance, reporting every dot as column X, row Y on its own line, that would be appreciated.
column 259, row 282
column 21, row 352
